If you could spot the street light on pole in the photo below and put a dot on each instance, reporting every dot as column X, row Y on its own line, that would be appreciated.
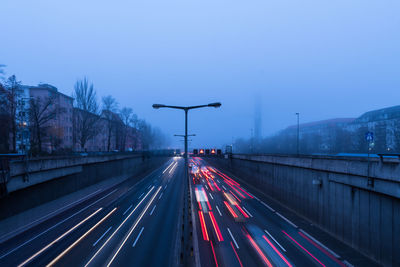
column 186, row 109
column 298, row 133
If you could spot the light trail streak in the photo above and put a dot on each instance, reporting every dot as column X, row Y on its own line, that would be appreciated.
column 58, row 239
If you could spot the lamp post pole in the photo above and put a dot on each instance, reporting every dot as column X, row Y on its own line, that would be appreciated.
column 186, row 109
column 298, row 133
column 185, row 237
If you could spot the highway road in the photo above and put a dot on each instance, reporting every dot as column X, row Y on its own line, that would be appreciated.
column 138, row 224
column 237, row 228
column 131, row 224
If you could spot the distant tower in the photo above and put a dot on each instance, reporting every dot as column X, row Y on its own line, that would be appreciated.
column 257, row 118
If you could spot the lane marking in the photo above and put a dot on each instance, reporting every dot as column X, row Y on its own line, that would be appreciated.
column 247, row 211
column 49, row 214
column 141, row 195
column 348, row 263
column 287, row 220
column 211, row 196
column 319, row 243
column 224, row 188
column 297, row 243
column 127, row 209
column 134, row 226
column 153, row 210
column 173, row 168
column 116, row 230
column 82, row 237
column 277, row 251
column 266, row 205
column 137, row 238
column 160, row 195
column 165, row 187
column 58, row 238
column 57, row 224
column 220, row 214
column 206, row 187
column 234, row 240
column 168, row 167
column 322, row 250
column 101, row 237
column 274, row 240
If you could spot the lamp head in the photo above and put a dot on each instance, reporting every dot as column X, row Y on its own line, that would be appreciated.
column 215, row 105
column 156, row 106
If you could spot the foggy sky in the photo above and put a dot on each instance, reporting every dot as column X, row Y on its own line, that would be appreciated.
column 324, row 59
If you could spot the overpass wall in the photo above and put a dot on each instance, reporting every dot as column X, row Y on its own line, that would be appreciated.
column 34, row 182
column 335, row 193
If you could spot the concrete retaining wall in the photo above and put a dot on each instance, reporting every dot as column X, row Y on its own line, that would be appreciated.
column 38, row 181
column 335, row 194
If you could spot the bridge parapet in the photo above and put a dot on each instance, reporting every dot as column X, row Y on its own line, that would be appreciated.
column 338, row 194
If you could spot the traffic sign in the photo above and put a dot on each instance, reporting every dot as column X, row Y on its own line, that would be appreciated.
column 369, row 136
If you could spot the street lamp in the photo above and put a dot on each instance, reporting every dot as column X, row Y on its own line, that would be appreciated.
column 186, row 109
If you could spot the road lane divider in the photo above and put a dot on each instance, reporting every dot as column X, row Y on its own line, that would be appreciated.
column 127, row 210
column 101, row 237
column 134, row 226
column 151, row 212
column 58, row 239
column 274, row 240
column 116, row 230
column 234, row 240
column 137, row 238
column 220, row 214
column 168, row 167
column 277, row 251
column 320, row 244
column 303, row 248
column 173, row 168
column 323, row 250
column 247, row 211
column 287, row 220
column 267, row 206
column 80, row 238
column 259, row 251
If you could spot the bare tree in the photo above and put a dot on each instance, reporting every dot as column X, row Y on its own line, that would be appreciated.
column 110, row 106
column 2, row 66
column 126, row 117
column 12, row 85
column 146, row 134
column 41, row 112
column 4, row 120
column 85, row 112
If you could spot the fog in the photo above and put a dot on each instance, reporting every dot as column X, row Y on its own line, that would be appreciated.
column 323, row 59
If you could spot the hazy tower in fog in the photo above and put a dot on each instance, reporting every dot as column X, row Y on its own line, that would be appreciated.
column 257, row 118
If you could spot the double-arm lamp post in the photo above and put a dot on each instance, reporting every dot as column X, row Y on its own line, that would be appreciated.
column 186, row 109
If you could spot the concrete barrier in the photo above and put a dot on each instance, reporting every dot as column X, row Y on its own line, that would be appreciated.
column 34, row 182
column 335, row 193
